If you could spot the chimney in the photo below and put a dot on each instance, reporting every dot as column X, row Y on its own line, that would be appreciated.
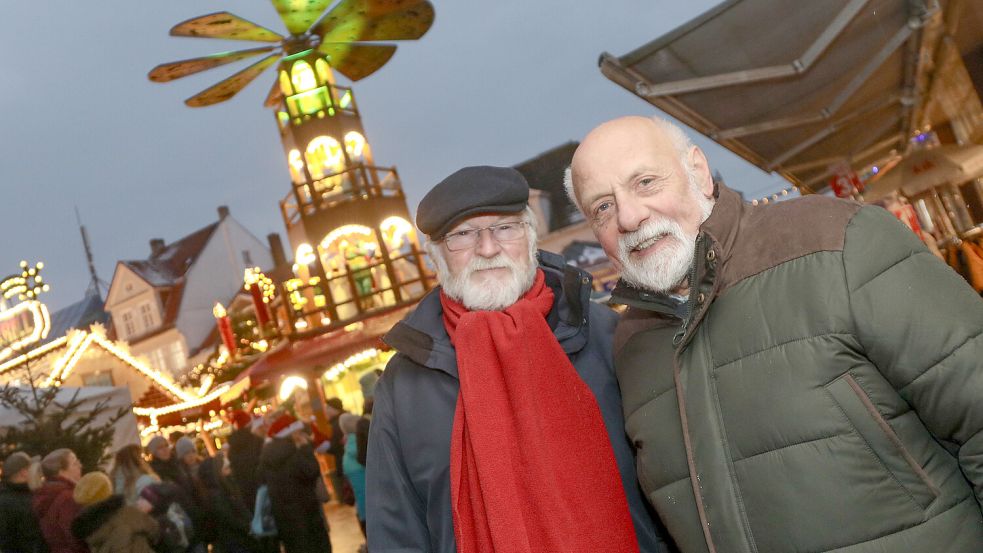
column 276, row 250
column 156, row 246
column 223, row 212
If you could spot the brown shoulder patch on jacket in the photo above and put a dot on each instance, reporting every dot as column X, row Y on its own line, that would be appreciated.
column 633, row 321
column 773, row 234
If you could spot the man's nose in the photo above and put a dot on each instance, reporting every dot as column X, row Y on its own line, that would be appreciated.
column 631, row 215
column 487, row 246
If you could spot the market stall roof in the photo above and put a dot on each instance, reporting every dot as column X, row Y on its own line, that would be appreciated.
column 319, row 353
column 927, row 169
column 798, row 87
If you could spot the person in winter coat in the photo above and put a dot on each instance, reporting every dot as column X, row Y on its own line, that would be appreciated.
column 503, row 375
column 163, row 462
column 53, row 503
column 354, row 470
column 336, row 447
column 224, row 506
column 244, row 449
column 19, row 528
column 107, row 523
column 168, row 463
column 362, row 430
column 800, row 376
column 290, row 471
column 131, row 473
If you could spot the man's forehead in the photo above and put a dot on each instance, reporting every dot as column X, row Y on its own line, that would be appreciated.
column 484, row 219
column 621, row 152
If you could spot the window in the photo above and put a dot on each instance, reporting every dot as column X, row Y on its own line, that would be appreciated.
column 247, row 258
column 128, row 324
column 147, row 315
column 97, row 379
column 157, row 360
column 176, row 358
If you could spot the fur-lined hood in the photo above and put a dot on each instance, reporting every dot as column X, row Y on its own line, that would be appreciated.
column 95, row 516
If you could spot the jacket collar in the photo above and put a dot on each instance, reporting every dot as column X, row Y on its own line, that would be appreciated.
column 421, row 336
column 714, row 246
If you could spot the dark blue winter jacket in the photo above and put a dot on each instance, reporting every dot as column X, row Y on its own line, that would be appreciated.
column 408, row 496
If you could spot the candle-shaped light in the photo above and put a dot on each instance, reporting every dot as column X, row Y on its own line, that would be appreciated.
column 224, row 325
column 254, row 284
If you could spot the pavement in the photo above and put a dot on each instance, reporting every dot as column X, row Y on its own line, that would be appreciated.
column 346, row 536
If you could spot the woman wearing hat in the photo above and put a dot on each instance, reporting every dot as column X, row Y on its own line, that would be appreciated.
column 106, row 523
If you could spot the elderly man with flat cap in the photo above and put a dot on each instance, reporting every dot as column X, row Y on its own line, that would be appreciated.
column 497, row 425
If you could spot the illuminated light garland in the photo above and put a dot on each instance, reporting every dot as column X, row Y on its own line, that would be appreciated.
column 42, row 325
column 775, row 197
column 343, row 230
column 28, row 285
column 335, row 372
column 77, row 345
column 254, row 275
column 156, row 376
column 154, row 412
column 34, row 354
column 206, row 384
column 397, row 224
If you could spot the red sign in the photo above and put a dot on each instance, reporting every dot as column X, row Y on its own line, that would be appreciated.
column 845, row 182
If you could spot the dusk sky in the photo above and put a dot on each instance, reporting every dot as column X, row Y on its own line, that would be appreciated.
column 491, row 83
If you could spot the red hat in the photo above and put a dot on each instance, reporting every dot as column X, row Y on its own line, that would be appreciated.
column 239, row 418
column 283, row 426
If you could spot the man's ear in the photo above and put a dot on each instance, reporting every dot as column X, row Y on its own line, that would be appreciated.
column 701, row 167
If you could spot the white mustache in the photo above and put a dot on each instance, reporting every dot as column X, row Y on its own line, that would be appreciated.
column 653, row 229
column 484, row 263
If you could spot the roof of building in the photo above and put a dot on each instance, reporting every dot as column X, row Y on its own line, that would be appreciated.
column 545, row 172
column 81, row 315
column 166, row 267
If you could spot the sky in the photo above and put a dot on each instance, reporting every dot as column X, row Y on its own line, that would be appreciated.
column 491, row 83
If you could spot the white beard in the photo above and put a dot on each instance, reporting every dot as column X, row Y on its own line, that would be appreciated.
column 487, row 292
column 663, row 270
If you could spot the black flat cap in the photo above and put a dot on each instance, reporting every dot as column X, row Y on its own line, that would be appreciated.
column 469, row 191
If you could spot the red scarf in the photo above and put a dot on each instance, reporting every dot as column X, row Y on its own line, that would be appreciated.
column 532, row 469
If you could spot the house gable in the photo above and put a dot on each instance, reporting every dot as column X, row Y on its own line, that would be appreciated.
column 216, row 276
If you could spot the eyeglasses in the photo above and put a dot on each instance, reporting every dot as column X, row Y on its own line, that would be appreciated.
column 468, row 238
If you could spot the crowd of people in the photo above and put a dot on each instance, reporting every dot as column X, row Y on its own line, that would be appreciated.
column 263, row 492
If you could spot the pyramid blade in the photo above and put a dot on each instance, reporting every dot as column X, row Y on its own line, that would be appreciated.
column 177, row 69
column 357, row 61
column 299, row 15
column 228, row 88
column 371, row 20
column 224, row 25
column 274, row 96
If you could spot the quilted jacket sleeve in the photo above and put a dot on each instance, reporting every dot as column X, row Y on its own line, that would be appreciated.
column 395, row 514
column 921, row 324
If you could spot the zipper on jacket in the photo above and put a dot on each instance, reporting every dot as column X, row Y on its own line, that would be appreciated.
column 693, row 285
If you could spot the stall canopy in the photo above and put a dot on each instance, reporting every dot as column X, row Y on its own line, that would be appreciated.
column 926, row 169
column 799, row 88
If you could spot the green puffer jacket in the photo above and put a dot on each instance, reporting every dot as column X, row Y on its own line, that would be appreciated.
column 825, row 392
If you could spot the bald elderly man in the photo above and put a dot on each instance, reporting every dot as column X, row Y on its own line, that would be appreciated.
column 801, row 376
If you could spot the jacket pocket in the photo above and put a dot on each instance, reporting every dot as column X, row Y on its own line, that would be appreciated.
column 882, row 440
